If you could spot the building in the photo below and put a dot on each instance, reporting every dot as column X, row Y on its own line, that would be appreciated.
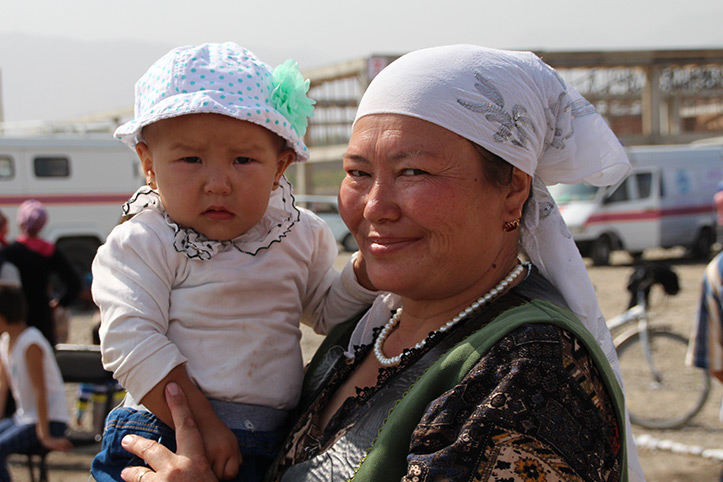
column 647, row 96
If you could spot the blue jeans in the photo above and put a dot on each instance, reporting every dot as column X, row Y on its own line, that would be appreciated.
column 18, row 439
column 258, row 448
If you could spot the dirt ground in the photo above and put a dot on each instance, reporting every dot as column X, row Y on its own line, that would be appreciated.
column 687, row 454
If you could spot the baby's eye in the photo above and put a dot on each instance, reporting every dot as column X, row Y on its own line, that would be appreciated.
column 413, row 172
column 191, row 159
column 242, row 160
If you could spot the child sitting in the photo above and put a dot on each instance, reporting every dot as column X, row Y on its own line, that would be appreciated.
column 29, row 370
column 207, row 283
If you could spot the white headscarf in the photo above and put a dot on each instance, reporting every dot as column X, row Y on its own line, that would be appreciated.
column 519, row 108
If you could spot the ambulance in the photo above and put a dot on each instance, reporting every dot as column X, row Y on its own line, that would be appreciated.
column 666, row 201
column 82, row 179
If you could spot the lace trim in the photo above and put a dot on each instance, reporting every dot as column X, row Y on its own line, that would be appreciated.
column 280, row 217
column 354, row 403
column 307, row 440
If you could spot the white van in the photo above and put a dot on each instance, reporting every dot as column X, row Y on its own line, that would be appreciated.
column 81, row 179
column 327, row 208
column 666, row 201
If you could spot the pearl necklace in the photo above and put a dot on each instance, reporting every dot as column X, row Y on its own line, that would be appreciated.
column 482, row 300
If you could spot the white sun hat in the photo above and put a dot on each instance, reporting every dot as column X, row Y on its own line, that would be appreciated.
column 223, row 79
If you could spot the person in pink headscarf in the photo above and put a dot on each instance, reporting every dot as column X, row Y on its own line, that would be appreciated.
column 37, row 259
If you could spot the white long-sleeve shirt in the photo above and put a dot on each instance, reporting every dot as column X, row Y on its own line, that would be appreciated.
column 232, row 319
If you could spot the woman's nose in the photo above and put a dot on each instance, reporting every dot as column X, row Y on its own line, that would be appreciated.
column 381, row 204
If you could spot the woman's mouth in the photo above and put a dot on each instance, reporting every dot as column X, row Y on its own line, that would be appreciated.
column 387, row 244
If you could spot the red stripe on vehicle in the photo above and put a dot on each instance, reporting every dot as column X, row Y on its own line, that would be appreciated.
column 649, row 215
column 59, row 199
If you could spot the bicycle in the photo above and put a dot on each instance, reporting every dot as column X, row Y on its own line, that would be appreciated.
column 652, row 358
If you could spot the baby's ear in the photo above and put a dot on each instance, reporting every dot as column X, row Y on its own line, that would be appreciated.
column 144, row 154
column 286, row 157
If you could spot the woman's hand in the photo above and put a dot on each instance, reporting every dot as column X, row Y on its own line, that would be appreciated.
column 189, row 464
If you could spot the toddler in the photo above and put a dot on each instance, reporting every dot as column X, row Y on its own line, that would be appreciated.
column 28, row 368
column 206, row 284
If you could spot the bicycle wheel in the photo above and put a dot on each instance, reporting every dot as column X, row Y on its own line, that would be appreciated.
column 675, row 395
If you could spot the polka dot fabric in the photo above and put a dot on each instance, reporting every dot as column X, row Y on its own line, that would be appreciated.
column 210, row 78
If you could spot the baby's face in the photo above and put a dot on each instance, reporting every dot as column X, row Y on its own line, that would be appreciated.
column 214, row 173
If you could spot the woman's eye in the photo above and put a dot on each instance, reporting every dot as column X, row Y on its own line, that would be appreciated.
column 191, row 159
column 356, row 173
column 413, row 172
column 242, row 160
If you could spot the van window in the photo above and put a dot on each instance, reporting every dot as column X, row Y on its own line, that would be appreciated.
column 563, row 193
column 644, row 180
column 620, row 194
column 51, row 166
column 7, row 168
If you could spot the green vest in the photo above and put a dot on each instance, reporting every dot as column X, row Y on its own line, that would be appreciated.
column 386, row 458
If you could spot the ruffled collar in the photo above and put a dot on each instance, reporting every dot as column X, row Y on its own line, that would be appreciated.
column 280, row 217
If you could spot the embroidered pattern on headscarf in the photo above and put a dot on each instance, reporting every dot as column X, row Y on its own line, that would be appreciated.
column 513, row 122
column 559, row 114
column 539, row 207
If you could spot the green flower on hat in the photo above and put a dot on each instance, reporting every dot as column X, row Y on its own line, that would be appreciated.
column 289, row 95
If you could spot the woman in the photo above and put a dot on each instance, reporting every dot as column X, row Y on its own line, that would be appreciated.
column 38, row 260
column 475, row 366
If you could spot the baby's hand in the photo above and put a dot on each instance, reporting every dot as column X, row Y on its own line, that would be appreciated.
column 221, row 446
column 360, row 270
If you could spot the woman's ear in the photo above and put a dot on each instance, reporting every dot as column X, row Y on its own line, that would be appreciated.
column 286, row 157
column 517, row 193
column 144, row 154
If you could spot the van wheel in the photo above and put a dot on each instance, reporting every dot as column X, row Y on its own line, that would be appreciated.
column 349, row 243
column 700, row 249
column 600, row 251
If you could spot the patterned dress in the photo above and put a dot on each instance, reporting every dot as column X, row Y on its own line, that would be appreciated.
column 534, row 408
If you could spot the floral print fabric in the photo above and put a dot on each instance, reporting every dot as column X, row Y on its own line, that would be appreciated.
column 534, row 409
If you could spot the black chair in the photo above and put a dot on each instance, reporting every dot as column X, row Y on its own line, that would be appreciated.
column 82, row 364
column 40, row 453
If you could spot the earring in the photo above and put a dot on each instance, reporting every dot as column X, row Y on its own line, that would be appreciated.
column 510, row 226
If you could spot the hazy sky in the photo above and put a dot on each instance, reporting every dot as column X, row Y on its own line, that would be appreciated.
column 62, row 59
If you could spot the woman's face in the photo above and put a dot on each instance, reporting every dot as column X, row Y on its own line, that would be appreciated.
column 428, row 223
